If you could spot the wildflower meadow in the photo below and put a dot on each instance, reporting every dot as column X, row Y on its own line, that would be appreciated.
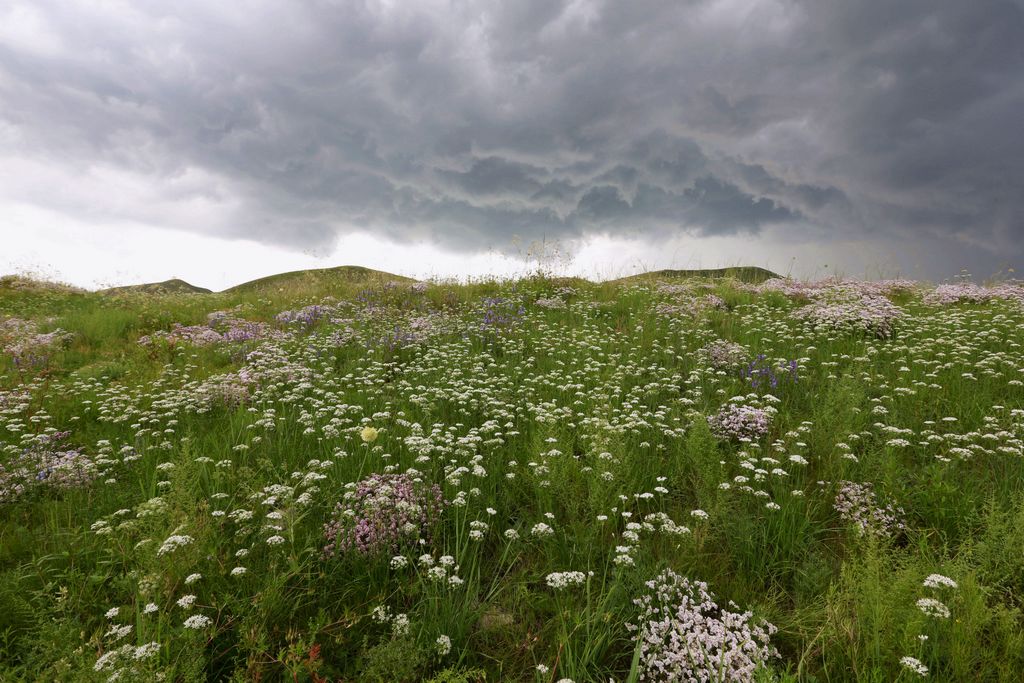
column 542, row 479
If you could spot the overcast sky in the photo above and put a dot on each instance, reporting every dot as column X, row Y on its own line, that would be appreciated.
column 219, row 141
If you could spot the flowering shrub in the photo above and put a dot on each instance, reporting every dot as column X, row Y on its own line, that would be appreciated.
column 692, row 307
column 382, row 513
column 968, row 292
column 738, row 421
column 956, row 293
column 869, row 313
column 552, row 303
column 815, row 289
column 223, row 390
column 14, row 401
column 305, row 317
column 857, row 504
column 684, row 635
column 270, row 364
column 220, row 328
column 721, row 354
column 27, row 347
column 45, row 465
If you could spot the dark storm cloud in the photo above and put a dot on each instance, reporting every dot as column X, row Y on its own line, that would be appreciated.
column 468, row 123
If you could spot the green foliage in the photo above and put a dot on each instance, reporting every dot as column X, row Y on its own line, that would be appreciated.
column 585, row 411
column 397, row 659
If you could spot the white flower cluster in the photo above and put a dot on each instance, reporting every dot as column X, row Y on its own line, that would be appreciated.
column 939, row 581
column 933, row 608
column 560, row 580
column 914, row 665
column 173, row 543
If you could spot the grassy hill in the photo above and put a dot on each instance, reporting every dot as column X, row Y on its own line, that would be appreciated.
column 748, row 274
column 323, row 281
column 318, row 278
column 173, row 286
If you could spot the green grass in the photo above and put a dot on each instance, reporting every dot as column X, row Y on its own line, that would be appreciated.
column 589, row 417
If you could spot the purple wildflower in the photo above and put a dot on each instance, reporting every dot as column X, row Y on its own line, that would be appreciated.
column 764, row 375
column 383, row 513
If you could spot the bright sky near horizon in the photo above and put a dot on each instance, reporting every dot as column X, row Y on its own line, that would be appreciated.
column 95, row 257
column 220, row 142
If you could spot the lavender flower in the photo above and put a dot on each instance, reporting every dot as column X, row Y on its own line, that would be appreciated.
column 383, row 513
column 737, row 421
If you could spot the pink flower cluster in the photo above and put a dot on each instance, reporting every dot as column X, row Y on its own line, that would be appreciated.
column 787, row 287
column 868, row 313
column 223, row 390
column 738, row 421
column 968, row 292
column 684, row 635
column 692, row 307
column 383, row 513
column 721, row 354
column 858, row 505
column 220, row 328
column 944, row 295
column 813, row 289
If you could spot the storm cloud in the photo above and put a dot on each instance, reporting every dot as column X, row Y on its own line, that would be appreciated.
column 466, row 124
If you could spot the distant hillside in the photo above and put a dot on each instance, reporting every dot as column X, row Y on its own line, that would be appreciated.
column 317, row 277
column 174, row 286
column 748, row 274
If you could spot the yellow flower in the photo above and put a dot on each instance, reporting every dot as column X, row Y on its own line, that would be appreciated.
column 369, row 434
